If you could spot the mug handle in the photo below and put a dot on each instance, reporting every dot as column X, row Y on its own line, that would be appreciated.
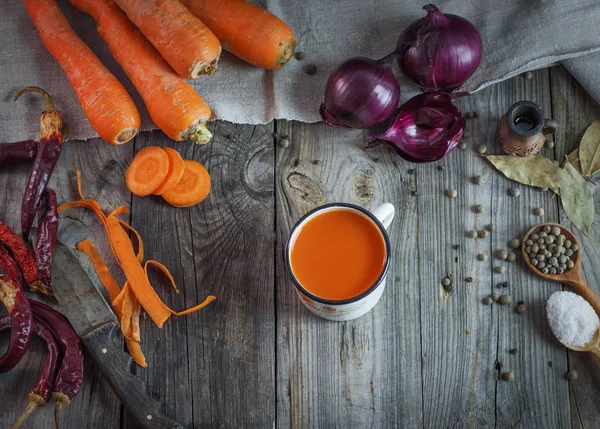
column 385, row 214
column 550, row 127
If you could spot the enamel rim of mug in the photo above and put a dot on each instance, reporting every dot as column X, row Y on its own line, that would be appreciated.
column 386, row 264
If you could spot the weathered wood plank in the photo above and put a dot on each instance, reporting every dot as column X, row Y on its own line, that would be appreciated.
column 574, row 110
column 215, row 368
column 103, row 169
column 538, row 395
column 366, row 372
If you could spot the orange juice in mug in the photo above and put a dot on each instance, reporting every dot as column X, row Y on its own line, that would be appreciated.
column 338, row 256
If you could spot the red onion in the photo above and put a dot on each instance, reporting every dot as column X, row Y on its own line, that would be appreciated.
column 441, row 51
column 426, row 128
column 361, row 93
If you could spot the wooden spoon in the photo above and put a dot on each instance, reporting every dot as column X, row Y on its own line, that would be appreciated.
column 593, row 346
column 571, row 276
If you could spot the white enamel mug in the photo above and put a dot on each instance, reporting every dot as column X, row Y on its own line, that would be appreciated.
column 347, row 309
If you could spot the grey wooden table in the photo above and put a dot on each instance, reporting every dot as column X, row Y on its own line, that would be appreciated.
column 257, row 358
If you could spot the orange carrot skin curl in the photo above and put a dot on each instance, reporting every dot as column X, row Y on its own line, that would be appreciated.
column 181, row 38
column 247, row 31
column 174, row 105
column 106, row 104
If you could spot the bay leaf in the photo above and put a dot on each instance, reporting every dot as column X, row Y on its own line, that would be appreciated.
column 534, row 170
column 573, row 159
column 589, row 150
column 577, row 199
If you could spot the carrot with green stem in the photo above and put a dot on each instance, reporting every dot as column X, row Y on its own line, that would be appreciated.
column 181, row 38
column 247, row 31
column 173, row 104
column 106, row 104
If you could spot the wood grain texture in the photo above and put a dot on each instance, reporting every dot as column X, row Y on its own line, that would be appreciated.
column 256, row 358
column 207, row 364
column 103, row 168
column 574, row 110
column 366, row 372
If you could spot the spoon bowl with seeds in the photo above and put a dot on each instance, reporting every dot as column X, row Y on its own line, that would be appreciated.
column 552, row 252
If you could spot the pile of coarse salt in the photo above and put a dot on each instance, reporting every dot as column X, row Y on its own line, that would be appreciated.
column 572, row 318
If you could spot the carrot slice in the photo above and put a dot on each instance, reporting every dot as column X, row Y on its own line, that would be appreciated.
column 147, row 171
column 193, row 187
column 136, row 352
column 175, row 171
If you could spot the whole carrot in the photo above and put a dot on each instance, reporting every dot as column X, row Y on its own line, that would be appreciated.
column 106, row 104
column 247, row 31
column 174, row 105
column 181, row 38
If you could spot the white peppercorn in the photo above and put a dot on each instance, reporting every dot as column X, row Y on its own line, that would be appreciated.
column 481, row 148
column 512, row 257
column 472, row 234
column 515, row 244
column 483, row 233
column 479, row 180
column 451, row 193
column 499, row 270
column 479, row 208
column 555, row 230
column 538, row 211
column 502, row 254
column 515, row 192
column 482, row 257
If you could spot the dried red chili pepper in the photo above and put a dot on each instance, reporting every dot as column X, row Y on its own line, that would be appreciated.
column 21, row 322
column 51, row 138
column 11, row 153
column 70, row 375
column 23, row 257
column 40, row 394
column 46, row 237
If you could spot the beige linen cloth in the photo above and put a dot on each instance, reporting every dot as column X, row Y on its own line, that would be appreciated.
column 518, row 35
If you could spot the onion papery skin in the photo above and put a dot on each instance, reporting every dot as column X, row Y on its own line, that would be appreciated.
column 360, row 93
column 426, row 128
column 440, row 51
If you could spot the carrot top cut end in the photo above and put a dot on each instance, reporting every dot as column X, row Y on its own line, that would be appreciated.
column 199, row 134
column 288, row 52
column 203, row 69
column 125, row 135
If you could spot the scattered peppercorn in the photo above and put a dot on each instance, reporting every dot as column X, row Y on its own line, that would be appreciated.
column 451, row 193
column 515, row 244
column 512, row 257
column 482, row 257
column 462, row 145
column 538, row 211
column 528, row 75
column 495, row 296
column 508, row 376
column 513, row 351
column 498, row 365
column 475, row 114
column 515, row 192
column 505, row 299
column 469, row 115
column 520, row 302
column 481, row 148
column 415, row 193
column 572, row 375
column 448, row 288
column 472, row 234
column 499, row 269
column 299, row 56
column 489, row 227
column 487, row 300
column 284, row 143
column 520, row 308
column 549, row 143
column 440, row 168
column 503, row 285
column 446, row 281
column 311, row 69
column 456, row 246
column 479, row 180
column 478, row 208
column 483, row 233
column 502, row 254
column 469, row 279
